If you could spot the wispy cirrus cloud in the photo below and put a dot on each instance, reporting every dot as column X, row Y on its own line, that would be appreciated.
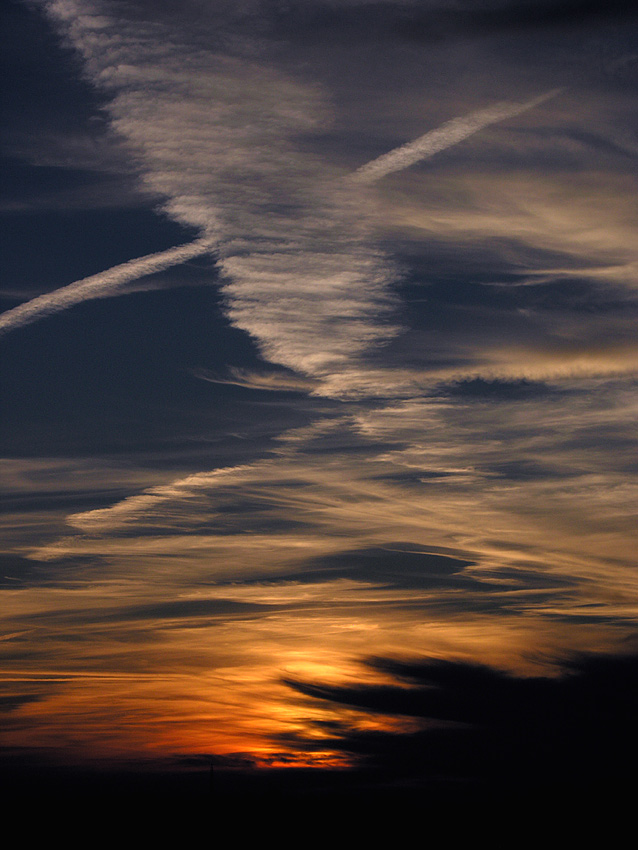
column 263, row 380
column 428, row 476
column 546, row 228
column 301, row 274
column 216, row 138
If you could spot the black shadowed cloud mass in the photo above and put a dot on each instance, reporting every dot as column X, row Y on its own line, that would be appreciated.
column 490, row 732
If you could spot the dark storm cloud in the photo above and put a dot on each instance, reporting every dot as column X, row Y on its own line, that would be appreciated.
column 495, row 730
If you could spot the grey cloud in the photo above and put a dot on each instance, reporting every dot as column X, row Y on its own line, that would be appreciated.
column 398, row 565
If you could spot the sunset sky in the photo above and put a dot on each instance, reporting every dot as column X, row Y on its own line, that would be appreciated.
column 319, row 358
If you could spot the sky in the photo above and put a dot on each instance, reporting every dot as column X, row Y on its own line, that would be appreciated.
column 318, row 375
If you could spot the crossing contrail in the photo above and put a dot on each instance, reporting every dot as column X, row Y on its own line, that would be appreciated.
column 445, row 136
column 101, row 284
column 108, row 282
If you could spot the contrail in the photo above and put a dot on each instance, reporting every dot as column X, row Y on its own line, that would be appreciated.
column 98, row 285
column 107, row 282
column 448, row 134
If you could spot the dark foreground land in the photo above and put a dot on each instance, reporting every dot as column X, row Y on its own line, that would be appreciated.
column 307, row 806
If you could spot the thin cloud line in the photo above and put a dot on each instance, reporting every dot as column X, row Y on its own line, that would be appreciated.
column 99, row 285
column 445, row 136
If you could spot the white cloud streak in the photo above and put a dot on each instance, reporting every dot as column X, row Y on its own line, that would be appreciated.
column 445, row 136
column 100, row 285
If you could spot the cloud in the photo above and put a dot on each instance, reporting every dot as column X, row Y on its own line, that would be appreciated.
column 297, row 259
column 494, row 731
column 467, row 496
column 269, row 381
column 100, row 285
column 212, row 132
column 542, row 229
column 450, row 133
column 419, row 471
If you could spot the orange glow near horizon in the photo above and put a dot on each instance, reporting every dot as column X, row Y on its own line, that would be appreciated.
column 93, row 711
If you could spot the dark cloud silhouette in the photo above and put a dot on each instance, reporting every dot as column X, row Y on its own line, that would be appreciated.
column 487, row 730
